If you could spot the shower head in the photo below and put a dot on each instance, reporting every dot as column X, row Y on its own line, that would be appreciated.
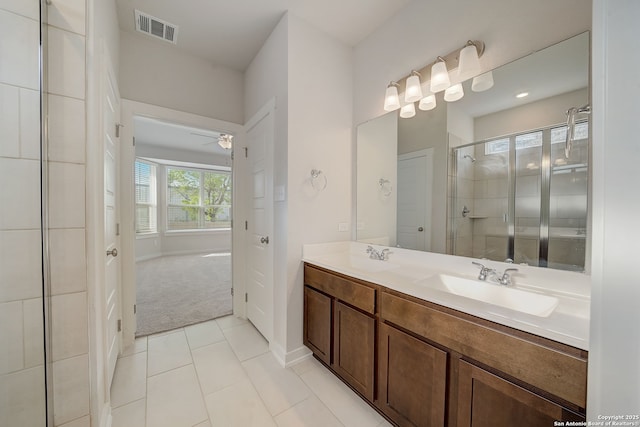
column 466, row 156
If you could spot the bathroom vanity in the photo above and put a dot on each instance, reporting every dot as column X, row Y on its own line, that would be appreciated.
column 427, row 355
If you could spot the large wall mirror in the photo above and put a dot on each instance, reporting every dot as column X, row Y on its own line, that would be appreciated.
column 491, row 175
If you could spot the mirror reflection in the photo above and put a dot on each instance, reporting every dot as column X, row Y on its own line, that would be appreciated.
column 491, row 175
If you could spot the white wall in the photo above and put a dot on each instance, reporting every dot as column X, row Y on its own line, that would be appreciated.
column 423, row 30
column 156, row 72
column 614, row 367
column 309, row 74
column 320, row 123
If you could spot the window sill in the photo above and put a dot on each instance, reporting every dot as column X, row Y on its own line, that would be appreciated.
column 196, row 232
column 140, row 236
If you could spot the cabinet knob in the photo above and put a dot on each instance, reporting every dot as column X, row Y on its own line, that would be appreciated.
column 113, row 252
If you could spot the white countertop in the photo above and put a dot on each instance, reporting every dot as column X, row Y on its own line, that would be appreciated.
column 407, row 271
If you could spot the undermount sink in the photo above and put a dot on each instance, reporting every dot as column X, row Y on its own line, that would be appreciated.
column 503, row 296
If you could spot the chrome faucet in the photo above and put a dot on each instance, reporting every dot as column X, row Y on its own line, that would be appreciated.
column 506, row 277
column 382, row 255
column 484, row 271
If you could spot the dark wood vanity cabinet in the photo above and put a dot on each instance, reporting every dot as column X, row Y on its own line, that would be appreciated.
column 412, row 377
column 354, row 348
column 422, row 364
column 487, row 400
column 340, row 326
column 317, row 323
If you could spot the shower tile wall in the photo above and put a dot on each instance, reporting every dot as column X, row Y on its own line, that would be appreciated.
column 67, row 220
column 22, row 385
column 464, row 197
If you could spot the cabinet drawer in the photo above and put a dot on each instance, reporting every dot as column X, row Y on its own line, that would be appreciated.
column 558, row 373
column 351, row 292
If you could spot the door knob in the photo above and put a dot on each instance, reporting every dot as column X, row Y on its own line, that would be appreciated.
column 264, row 240
column 420, row 228
column 113, row 252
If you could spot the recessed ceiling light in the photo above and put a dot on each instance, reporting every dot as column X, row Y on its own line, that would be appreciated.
column 522, row 94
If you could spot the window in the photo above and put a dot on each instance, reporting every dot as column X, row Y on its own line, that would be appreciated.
column 534, row 139
column 198, row 199
column 146, row 191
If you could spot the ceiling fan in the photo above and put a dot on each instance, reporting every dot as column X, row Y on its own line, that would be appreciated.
column 224, row 140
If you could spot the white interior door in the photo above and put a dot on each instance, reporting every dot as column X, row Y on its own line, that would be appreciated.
column 415, row 175
column 259, row 297
column 111, row 118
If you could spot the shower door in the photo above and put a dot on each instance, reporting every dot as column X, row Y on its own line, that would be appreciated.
column 24, row 373
column 519, row 199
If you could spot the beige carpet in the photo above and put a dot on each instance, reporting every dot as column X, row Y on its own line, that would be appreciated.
column 176, row 291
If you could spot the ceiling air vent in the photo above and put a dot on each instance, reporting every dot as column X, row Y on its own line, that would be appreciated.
column 153, row 26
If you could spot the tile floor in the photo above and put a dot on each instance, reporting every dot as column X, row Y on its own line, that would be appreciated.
column 221, row 373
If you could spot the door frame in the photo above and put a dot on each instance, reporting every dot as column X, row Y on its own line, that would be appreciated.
column 130, row 109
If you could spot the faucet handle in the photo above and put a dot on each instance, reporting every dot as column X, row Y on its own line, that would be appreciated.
column 370, row 249
column 483, row 270
column 506, row 277
column 385, row 254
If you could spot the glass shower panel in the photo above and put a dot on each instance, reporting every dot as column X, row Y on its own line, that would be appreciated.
column 481, row 205
column 23, row 396
column 568, row 199
column 528, row 191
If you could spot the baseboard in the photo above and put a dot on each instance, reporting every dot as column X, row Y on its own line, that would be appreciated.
column 176, row 253
column 287, row 359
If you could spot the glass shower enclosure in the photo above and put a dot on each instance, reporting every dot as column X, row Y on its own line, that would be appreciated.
column 25, row 368
column 519, row 198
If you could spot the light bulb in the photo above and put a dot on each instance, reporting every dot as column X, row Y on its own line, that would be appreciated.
column 408, row 111
column 413, row 92
column 391, row 99
column 427, row 103
column 439, row 76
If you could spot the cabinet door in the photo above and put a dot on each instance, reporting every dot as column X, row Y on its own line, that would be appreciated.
column 412, row 379
column 317, row 323
column 354, row 348
column 487, row 400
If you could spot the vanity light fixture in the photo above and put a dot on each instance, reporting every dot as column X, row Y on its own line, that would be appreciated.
column 482, row 82
column 436, row 78
column 453, row 93
column 427, row 103
column 225, row 141
column 439, row 76
column 413, row 91
column 408, row 111
column 469, row 62
column 391, row 99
